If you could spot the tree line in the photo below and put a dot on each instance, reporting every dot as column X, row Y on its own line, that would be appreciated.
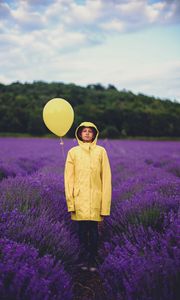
column 116, row 113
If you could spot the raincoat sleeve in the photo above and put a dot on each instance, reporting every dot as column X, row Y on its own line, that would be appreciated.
column 69, row 181
column 106, row 185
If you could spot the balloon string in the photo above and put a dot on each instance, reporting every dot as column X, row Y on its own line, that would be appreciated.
column 62, row 147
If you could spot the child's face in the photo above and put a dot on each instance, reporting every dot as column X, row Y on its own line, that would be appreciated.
column 87, row 135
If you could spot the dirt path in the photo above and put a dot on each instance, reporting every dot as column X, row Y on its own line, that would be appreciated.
column 88, row 286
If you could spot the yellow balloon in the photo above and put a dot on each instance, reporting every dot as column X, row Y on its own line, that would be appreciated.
column 58, row 115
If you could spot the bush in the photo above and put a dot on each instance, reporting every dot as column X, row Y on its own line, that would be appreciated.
column 110, row 132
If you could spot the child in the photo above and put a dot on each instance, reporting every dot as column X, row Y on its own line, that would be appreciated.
column 87, row 179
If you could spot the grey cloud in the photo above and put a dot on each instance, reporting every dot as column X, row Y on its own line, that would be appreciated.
column 30, row 24
column 39, row 2
column 175, row 5
column 10, row 20
column 133, row 16
column 4, row 11
column 38, row 15
column 48, row 14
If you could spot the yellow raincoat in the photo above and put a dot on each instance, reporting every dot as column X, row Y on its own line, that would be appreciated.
column 87, row 178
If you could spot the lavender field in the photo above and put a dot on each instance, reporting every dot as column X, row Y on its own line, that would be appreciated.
column 139, row 242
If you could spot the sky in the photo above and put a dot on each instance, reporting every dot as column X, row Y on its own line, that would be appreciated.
column 133, row 45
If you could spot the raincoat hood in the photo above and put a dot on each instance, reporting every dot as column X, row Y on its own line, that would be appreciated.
column 87, row 145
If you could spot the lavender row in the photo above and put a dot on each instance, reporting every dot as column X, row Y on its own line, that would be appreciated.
column 26, row 275
column 138, row 242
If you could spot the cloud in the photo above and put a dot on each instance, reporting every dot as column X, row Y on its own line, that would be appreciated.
column 66, row 23
column 61, row 40
column 4, row 10
column 99, row 15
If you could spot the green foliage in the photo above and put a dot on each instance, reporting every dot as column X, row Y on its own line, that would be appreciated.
column 116, row 113
column 110, row 132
